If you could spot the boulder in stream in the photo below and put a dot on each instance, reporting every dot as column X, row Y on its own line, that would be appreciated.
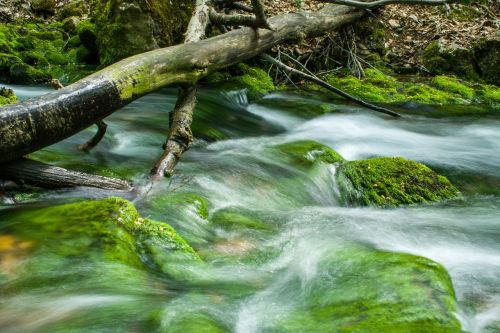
column 363, row 290
column 390, row 182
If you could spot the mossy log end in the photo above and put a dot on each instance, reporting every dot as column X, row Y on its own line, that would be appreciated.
column 32, row 125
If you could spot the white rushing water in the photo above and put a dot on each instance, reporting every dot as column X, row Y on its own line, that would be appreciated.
column 462, row 235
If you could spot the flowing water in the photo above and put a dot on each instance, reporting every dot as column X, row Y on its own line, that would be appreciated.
column 250, row 278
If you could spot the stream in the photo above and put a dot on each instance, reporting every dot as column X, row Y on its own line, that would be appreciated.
column 256, row 277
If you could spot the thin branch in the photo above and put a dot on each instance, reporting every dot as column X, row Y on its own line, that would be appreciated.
column 329, row 86
column 260, row 14
column 99, row 135
column 380, row 3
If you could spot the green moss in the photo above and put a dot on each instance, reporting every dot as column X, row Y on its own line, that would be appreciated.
column 307, row 153
column 233, row 219
column 180, row 200
column 111, row 228
column 255, row 80
column 439, row 60
column 7, row 96
column 490, row 94
column 376, row 87
column 421, row 93
column 387, row 181
column 452, row 85
column 87, row 33
column 363, row 291
column 23, row 73
column 37, row 46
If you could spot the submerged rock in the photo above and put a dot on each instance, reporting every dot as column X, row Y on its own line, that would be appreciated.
column 362, row 290
column 236, row 219
column 391, row 181
column 307, row 152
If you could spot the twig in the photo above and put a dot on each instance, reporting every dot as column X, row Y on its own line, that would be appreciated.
column 329, row 86
column 380, row 3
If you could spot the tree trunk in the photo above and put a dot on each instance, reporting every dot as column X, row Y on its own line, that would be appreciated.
column 34, row 124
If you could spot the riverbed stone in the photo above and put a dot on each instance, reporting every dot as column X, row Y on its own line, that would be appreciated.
column 390, row 182
column 363, row 290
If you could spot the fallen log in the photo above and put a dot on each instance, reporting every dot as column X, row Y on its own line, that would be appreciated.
column 26, row 171
column 37, row 123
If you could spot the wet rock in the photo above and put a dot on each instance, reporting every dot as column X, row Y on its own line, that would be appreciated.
column 362, row 290
column 391, row 181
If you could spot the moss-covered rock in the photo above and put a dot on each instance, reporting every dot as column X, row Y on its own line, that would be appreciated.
column 453, row 85
column 391, row 182
column 235, row 219
column 7, row 96
column 439, row 59
column 44, row 6
column 306, row 153
column 74, row 8
column 487, row 57
column 362, row 290
column 110, row 229
column 128, row 27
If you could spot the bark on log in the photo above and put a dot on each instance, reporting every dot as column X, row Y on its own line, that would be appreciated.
column 44, row 175
column 37, row 123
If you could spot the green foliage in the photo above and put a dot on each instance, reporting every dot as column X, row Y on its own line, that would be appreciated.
column 391, row 182
column 362, row 290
